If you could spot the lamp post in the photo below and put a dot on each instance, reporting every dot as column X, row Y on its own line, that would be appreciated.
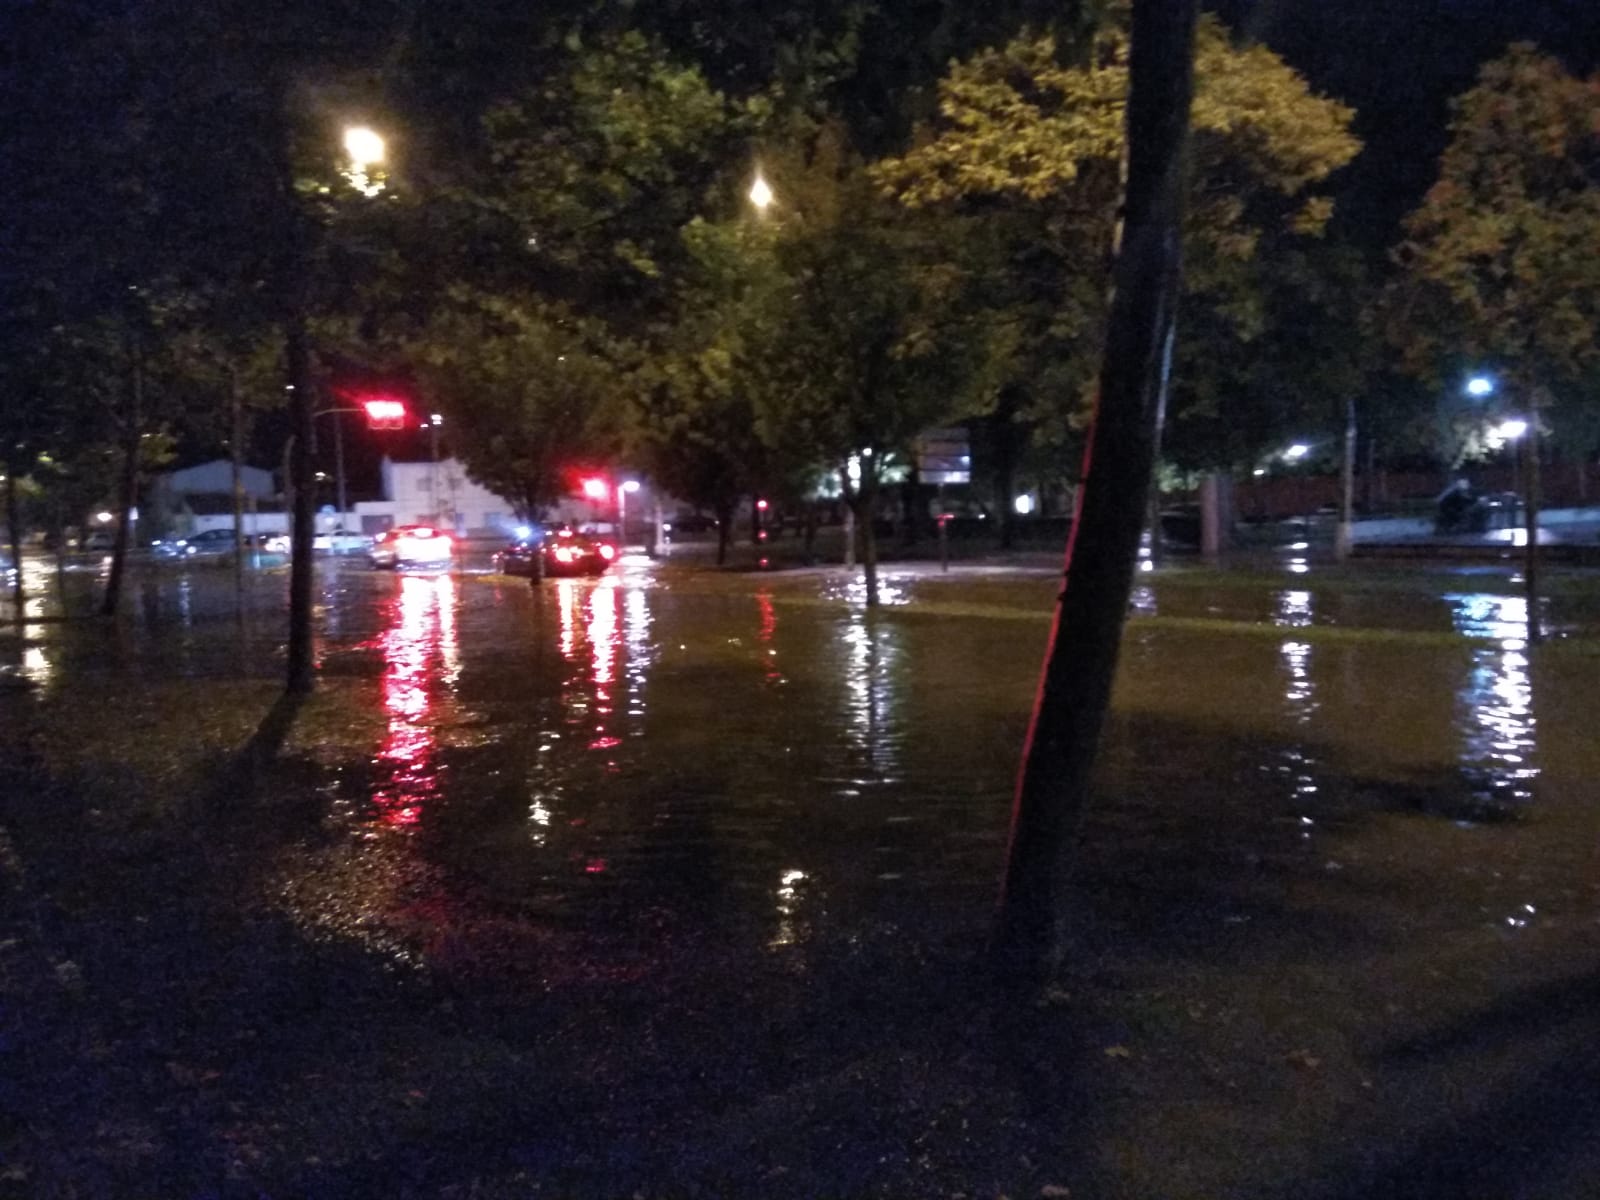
column 1525, row 432
column 1345, row 535
column 623, row 488
column 434, row 421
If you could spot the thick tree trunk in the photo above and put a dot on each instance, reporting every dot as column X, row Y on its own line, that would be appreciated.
column 869, row 531
column 236, row 463
column 1006, row 450
column 724, row 532
column 301, row 675
column 19, row 593
column 1053, row 784
column 129, row 493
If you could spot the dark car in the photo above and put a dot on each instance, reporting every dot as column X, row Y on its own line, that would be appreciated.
column 517, row 558
column 568, row 552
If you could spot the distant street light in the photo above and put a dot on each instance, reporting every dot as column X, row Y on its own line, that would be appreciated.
column 1525, row 432
column 366, row 150
column 1296, row 452
column 1510, row 431
column 103, row 517
column 760, row 194
column 623, row 488
column 364, row 146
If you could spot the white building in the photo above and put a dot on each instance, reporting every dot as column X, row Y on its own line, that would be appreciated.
column 439, row 494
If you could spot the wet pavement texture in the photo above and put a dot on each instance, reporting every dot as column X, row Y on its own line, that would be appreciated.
column 672, row 883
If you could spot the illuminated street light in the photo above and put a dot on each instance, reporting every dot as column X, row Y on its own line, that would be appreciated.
column 104, row 518
column 760, row 194
column 1296, row 452
column 1510, row 431
column 366, row 150
column 1480, row 386
column 364, row 146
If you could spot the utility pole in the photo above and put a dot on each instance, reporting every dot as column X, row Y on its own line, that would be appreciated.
column 1103, row 548
column 1344, row 537
column 1530, row 482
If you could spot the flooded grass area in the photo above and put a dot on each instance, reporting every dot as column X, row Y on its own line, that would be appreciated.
column 674, row 883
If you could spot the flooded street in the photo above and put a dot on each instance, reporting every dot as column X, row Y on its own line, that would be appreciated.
column 1323, row 797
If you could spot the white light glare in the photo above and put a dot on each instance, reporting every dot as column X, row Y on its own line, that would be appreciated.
column 364, row 146
column 1023, row 504
column 1510, row 431
column 760, row 193
column 1296, row 452
column 1480, row 385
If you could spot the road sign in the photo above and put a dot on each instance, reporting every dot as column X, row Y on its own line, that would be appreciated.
column 944, row 456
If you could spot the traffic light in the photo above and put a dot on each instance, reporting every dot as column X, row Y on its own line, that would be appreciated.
column 596, row 489
column 385, row 412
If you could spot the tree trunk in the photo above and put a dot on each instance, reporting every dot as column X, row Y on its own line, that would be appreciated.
column 868, row 498
column 301, row 677
column 129, row 493
column 235, row 456
column 1053, row 784
column 724, row 532
column 14, row 534
column 1005, row 439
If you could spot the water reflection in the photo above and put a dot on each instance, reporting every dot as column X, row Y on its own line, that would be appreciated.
column 1295, row 611
column 767, row 635
column 791, row 928
column 419, row 648
column 872, row 657
column 1496, row 702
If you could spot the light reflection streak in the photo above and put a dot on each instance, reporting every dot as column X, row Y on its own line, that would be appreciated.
column 872, row 655
column 787, row 896
column 421, row 640
column 766, row 636
column 1295, row 611
column 1500, row 732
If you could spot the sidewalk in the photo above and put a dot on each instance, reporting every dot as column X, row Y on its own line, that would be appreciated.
column 1566, row 535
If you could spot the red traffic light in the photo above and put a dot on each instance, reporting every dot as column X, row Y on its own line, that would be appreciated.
column 385, row 413
column 595, row 488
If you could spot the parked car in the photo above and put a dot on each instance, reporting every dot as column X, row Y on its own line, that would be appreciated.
column 341, row 541
column 686, row 524
column 571, row 552
column 519, row 557
column 208, row 543
column 412, row 546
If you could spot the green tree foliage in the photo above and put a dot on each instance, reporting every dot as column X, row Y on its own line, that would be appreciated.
column 529, row 392
column 862, row 343
column 1496, row 271
column 597, row 170
column 1033, row 146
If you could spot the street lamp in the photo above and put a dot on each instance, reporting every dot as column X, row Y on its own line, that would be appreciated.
column 435, row 420
column 366, row 150
column 760, row 193
column 623, row 488
column 1525, row 432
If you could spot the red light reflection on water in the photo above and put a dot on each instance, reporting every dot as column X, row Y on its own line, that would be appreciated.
column 419, row 652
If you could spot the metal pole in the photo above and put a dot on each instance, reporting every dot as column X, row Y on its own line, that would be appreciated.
column 237, row 448
column 338, row 462
column 433, row 454
column 1347, row 484
column 1530, row 479
column 944, row 532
